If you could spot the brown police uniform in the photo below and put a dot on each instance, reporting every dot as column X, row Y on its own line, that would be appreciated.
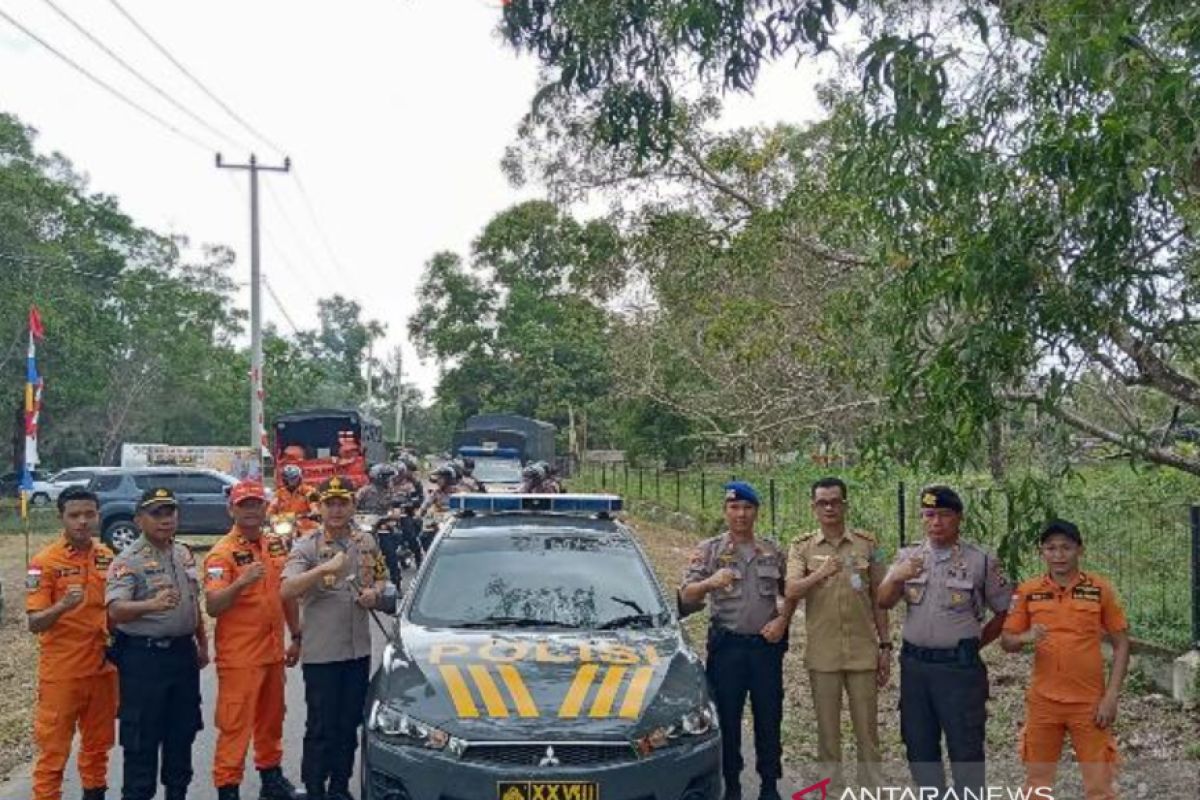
column 842, row 645
column 159, row 672
column 740, row 661
column 337, row 650
column 943, row 683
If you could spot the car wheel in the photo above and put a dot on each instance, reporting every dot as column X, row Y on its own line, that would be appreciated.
column 40, row 500
column 120, row 533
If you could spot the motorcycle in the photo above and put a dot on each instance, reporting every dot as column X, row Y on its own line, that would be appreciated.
column 292, row 526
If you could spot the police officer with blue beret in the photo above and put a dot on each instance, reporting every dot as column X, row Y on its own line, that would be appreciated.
column 744, row 576
column 948, row 585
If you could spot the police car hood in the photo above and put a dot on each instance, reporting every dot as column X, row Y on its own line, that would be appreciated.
column 515, row 685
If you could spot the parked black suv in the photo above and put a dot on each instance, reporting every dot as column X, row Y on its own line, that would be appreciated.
column 202, row 493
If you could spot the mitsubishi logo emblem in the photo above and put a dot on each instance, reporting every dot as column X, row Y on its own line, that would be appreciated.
column 549, row 760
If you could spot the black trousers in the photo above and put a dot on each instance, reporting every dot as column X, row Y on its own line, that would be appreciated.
column 739, row 665
column 389, row 540
column 334, row 694
column 944, row 698
column 159, row 709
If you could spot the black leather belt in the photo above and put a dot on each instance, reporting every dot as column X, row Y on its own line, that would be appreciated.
column 967, row 648
column 154, row 642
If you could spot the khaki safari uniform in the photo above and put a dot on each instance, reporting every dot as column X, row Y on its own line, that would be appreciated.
column 249, row 655
column 842, row 645
column 76, row 684
column 1068, row 677
column 740, row 661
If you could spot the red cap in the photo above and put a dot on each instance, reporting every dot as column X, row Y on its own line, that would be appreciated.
column 246, row 490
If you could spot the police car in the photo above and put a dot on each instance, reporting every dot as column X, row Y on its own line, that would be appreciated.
column 536, row 657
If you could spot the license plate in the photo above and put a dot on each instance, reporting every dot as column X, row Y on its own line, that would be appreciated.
column 547, row 790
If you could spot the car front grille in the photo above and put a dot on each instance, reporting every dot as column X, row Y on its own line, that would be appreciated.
column 532, row 755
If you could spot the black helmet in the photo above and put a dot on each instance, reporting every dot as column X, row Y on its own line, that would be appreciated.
column 382, row 473
column 446, row 471
column 468, row 465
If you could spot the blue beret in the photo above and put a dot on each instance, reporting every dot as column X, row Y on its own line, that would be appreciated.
column 740, row 490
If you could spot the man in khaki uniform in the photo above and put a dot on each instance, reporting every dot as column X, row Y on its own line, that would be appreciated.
column 837, row 573
column 747, row 637
column 338, row 575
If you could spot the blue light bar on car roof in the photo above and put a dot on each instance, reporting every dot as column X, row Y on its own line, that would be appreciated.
column 553, row 503
column 489, row 452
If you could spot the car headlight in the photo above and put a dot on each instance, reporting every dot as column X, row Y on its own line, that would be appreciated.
column 393, row 722
column 699, row 722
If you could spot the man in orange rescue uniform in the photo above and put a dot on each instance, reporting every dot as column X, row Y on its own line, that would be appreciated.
column 294, row 496
column 76, row 685
column 1065, row 614
column 242, row 577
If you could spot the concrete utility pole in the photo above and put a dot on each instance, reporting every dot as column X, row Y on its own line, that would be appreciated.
column 400, row 394
column 258, row 432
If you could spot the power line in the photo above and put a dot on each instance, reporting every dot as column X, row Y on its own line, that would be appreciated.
column 102, row 84
column 279, row 305
column 302, row 240
column 274, row 244
column 312, row 213
column 167, row 54
column 146, row 81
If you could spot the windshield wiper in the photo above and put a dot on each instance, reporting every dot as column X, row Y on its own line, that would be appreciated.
column 514, row 622
column 631, row 621
column 628, row 603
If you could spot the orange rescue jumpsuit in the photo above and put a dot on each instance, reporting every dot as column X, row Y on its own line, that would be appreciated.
column 249, row 656
column 288, row 501
column 1068, row 678
column 76, row 685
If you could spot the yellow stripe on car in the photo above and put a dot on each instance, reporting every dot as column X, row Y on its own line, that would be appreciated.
column 635, row 696
column 464, row 704
column 488, row 691
column 578, row 692
column 602, row 705
column 516, row 689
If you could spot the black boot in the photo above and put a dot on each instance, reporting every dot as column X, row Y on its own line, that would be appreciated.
column 275, row 786
column 315, row 791
column 230, row 792
column 176, row 793
column 95, row 794
column 768, row 791
column 733, row 788
column 339, row 790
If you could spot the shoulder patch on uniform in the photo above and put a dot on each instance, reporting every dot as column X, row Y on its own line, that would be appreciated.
column 33, row 578
column 214, row 572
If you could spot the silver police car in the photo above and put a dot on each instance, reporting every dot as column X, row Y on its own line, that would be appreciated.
column 536, row 657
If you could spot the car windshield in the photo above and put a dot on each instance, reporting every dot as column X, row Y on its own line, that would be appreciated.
column 537, row 575
column 498, row 470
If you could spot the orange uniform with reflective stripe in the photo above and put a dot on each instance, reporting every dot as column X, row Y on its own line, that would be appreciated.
column 250, row 633
column 74, row 646
column 249, row 656
column 287, row 501
column 76, row 685
column 1068, row 677
column 1067, row 666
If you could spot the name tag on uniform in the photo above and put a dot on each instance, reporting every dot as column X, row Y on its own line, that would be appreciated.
column 1035, row 596
column 242, row 558
column 1089, row 593
column 67, row 572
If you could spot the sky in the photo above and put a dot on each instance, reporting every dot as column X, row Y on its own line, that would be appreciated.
column 394, row 113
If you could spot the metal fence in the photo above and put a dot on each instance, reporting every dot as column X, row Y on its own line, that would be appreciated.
column 1149, row 550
